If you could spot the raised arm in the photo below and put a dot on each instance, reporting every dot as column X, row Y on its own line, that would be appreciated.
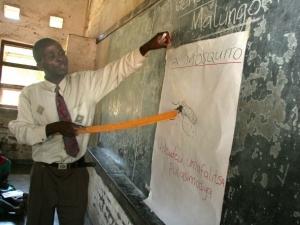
column 109, row 77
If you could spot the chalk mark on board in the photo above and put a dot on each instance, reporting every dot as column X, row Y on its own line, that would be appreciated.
column 283, row 177
column 194, row 9
column 227, row 29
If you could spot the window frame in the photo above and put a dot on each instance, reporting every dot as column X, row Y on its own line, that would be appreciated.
column 16, row 65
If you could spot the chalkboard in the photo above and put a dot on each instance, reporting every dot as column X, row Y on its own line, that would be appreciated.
column 263, row 184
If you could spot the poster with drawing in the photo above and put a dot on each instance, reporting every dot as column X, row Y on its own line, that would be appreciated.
column 191, row 153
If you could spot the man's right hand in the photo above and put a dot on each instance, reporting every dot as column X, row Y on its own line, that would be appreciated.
column 63, row 127
column 160, row 40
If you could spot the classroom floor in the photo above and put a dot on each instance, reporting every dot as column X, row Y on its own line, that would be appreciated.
column 20, row 179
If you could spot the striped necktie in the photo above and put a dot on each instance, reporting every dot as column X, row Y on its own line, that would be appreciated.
column 71, row 144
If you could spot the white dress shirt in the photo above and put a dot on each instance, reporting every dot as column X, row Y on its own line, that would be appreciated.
column 81, row 92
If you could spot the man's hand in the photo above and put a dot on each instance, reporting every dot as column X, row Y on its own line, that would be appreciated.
column 160, row 40
column 63, row 127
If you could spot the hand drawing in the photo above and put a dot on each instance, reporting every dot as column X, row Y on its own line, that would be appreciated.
column 189, row 119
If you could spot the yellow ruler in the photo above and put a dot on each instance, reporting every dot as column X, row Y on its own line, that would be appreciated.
column 131, row 123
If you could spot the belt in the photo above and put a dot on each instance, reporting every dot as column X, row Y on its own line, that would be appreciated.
column 63, row 166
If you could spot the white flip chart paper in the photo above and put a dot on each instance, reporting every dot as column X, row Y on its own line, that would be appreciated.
column 191, row 153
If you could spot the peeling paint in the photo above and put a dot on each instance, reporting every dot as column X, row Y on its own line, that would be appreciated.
column 270, row 194
column 291, row 49
column 266, row 117
column 249, row 89
column 258, row 31
column 231, row 192
column 264, row 180
column 252, row 55
column 254, row 177
column 292, row 45
column 296, row 214
column 277, row 60
column 255, row 154
column 262, row 71
column 275, row 150
column 233, row 172
column 265, row 122
column 295, row 116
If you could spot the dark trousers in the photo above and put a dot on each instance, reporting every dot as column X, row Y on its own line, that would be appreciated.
column 63, row 190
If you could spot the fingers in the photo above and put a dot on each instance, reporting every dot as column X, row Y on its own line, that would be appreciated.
column 160, row 40
column 163, row 39
column 76, row 128
column 68, row 129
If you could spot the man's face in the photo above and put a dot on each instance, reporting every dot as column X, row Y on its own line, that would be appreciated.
column 54, row 62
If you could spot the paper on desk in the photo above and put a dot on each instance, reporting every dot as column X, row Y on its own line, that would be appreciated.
column 10, row 194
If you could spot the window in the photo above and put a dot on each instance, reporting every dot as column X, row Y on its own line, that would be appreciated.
column 17, row 70
column 11, row 12
column 56, row 22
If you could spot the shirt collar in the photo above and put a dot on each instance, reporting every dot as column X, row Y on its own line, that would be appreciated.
column 51, row 86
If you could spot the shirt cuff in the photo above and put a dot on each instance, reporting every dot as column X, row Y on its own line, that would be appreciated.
column 138, row 56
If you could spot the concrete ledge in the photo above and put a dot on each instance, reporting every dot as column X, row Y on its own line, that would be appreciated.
column 126, row 193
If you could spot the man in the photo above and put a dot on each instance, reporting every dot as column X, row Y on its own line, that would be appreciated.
column 49, row 114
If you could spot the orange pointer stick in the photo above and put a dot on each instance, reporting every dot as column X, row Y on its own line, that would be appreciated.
column 131, row 123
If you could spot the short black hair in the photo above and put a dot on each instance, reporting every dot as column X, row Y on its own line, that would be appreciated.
column 40, row 45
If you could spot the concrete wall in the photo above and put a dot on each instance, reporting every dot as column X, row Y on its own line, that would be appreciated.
column 104, row 14
column 81, row 53
column 103, row 209
column 34, row 20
